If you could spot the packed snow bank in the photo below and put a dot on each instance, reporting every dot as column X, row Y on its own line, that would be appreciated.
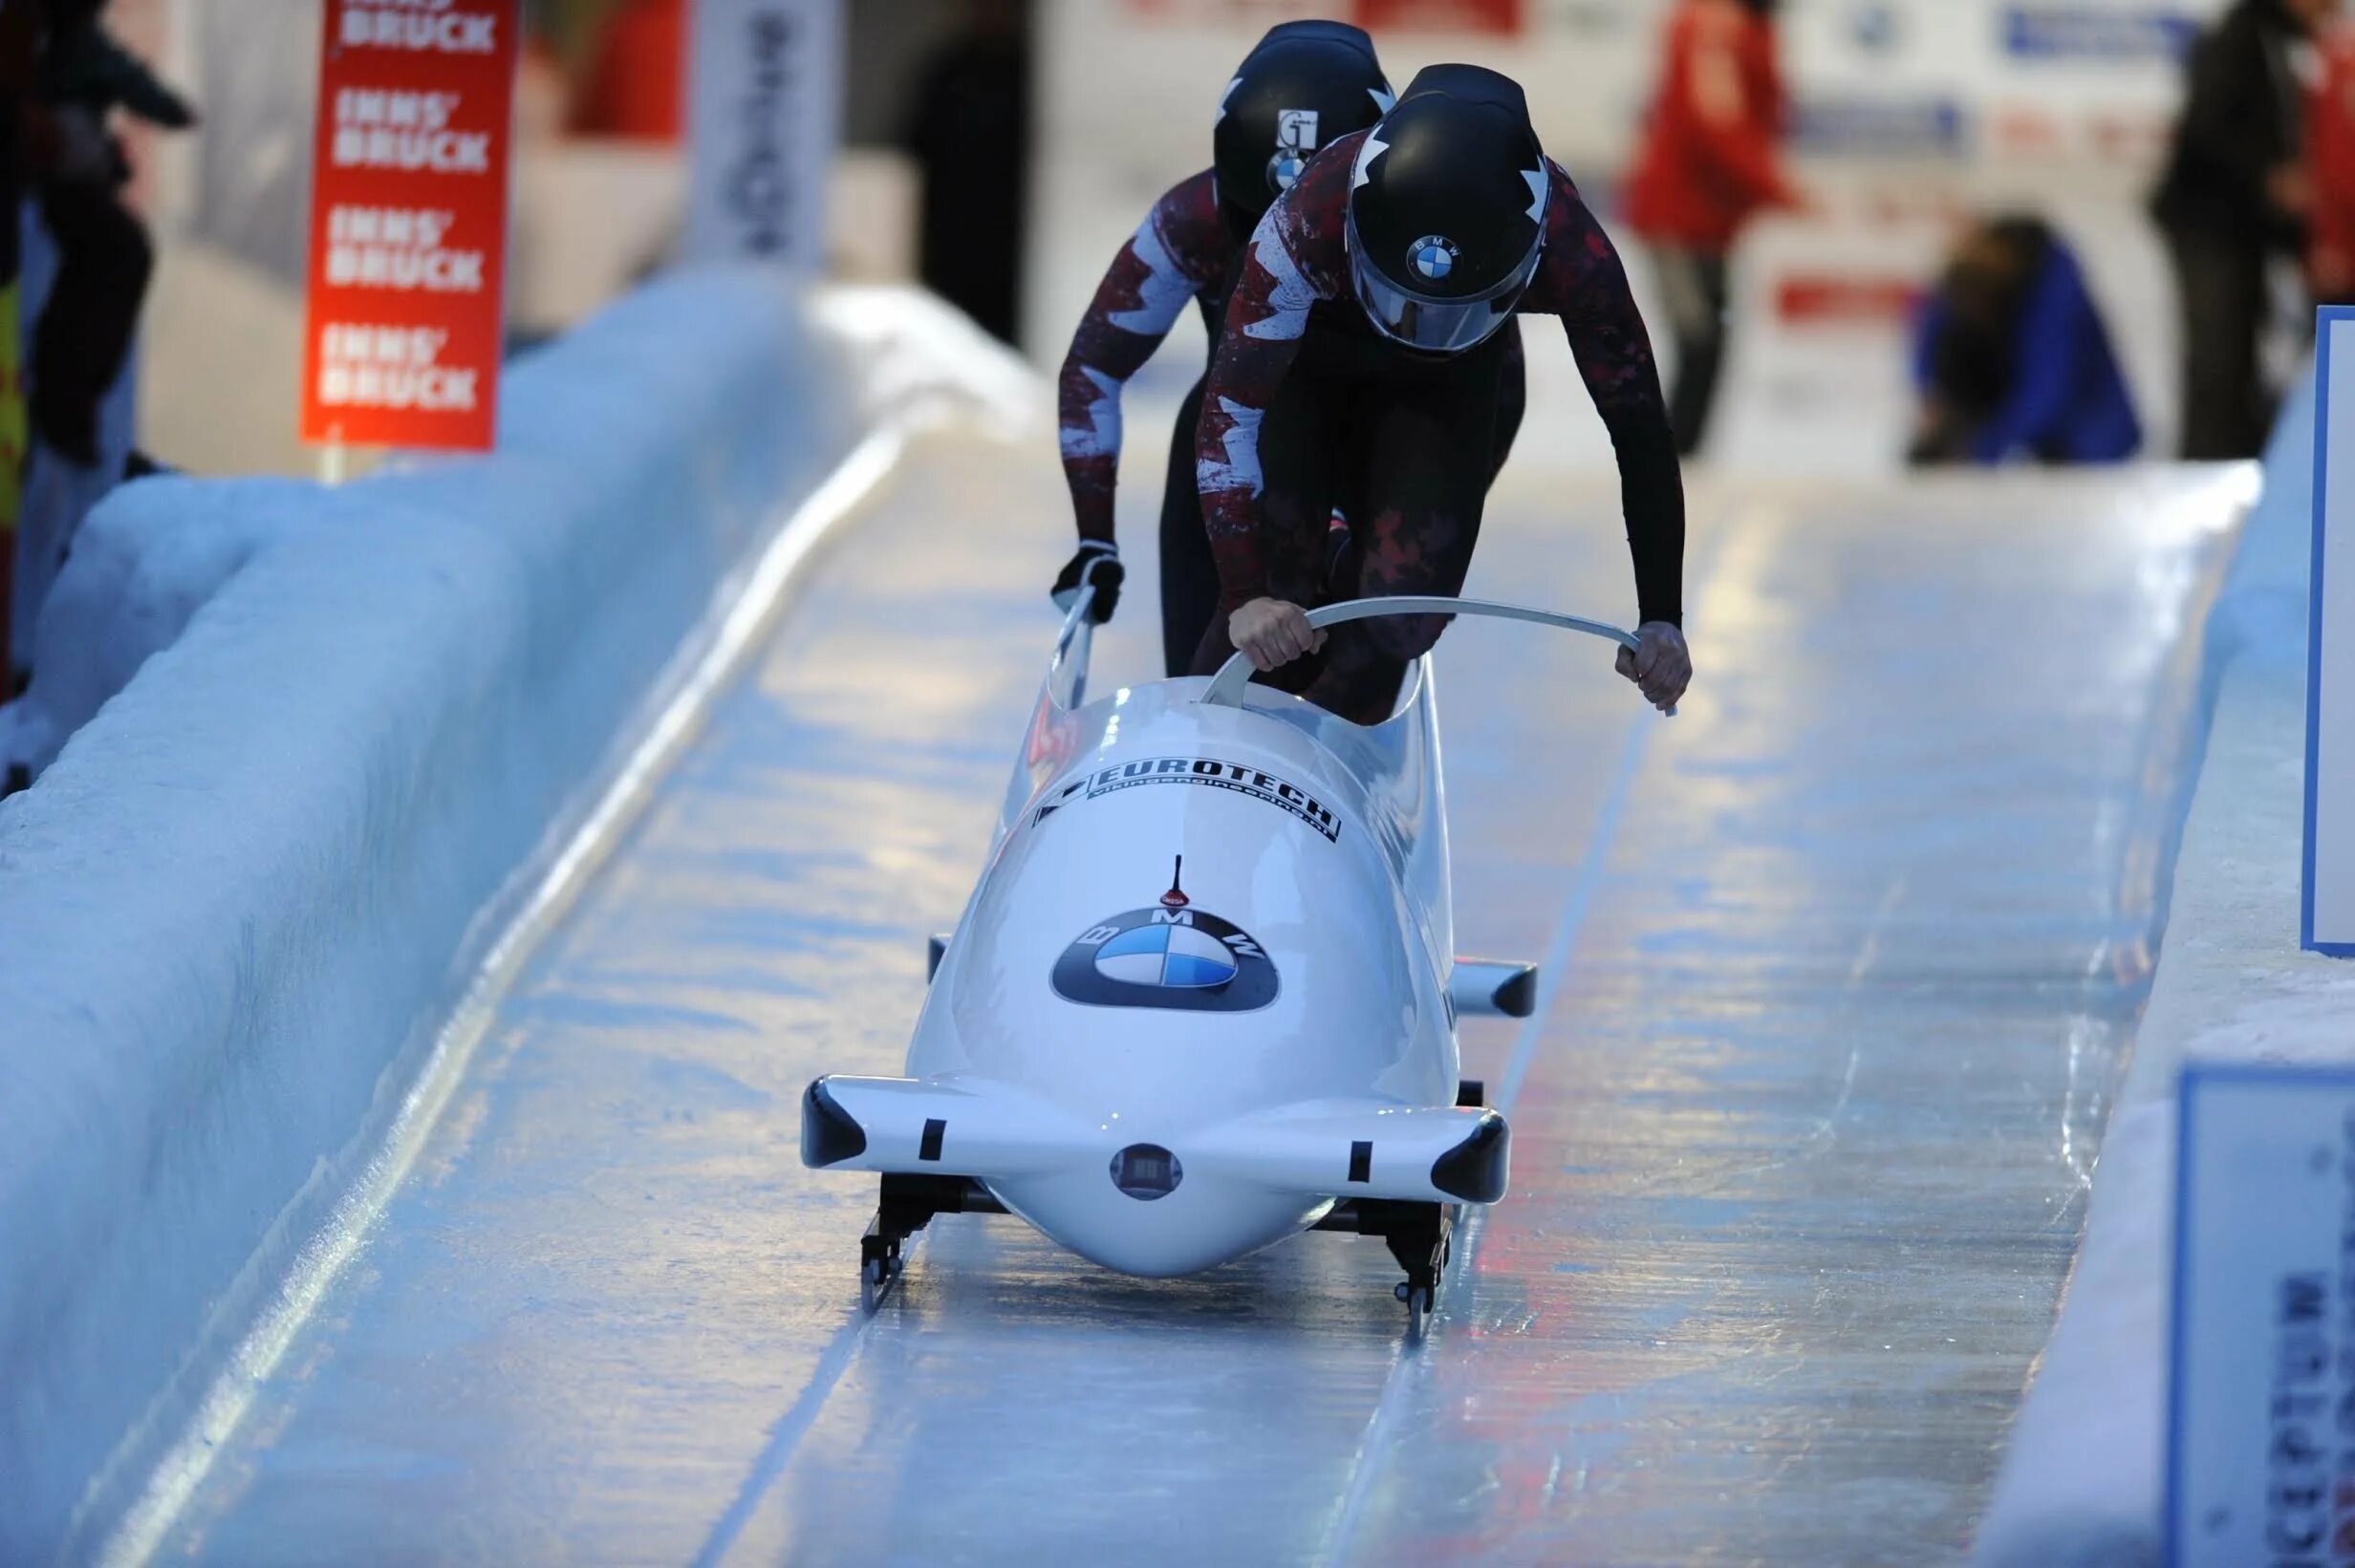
column 144, row 561
column 2080, row 1484
column 235, row 909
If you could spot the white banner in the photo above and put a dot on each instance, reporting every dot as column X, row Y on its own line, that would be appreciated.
column 2329, row 904
column 1905, row 110
column 2260, row 1458
column 764, row 115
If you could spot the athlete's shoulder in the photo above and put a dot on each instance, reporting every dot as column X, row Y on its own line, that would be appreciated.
column 1570, row 225
column 1191, row 204
column 1564, row 200
column 1322, row 188
column 1578, row 253
column 1309, row 221
column 1187, row 221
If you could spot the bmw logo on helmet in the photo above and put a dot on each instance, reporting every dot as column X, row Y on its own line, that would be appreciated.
column 1295, row 141
column 1433, row 257
column 1172, row 955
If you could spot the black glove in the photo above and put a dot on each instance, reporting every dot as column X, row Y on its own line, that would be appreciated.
column 1098, row 565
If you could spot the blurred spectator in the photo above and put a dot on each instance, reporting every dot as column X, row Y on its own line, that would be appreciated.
column 635, row 73
column 970, row 136
column 104, row 256
column 68, row 76
column 19, row 58
column 2330, row 142
column 2237, row 191
column 1708, row 162
column 2011, row 360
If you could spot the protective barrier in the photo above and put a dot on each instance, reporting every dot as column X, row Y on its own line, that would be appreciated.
column 145, row 561
column 2080, row 1484
column 235, row 912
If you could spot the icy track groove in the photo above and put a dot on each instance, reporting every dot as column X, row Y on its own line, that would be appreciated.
column 1845, row 959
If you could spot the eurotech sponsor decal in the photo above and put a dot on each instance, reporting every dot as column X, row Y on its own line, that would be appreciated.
column 1208, row 772
column 1172, row 957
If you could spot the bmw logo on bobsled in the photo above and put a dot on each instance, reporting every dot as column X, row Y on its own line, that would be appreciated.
column 1164, row 1085
column 1170, row 955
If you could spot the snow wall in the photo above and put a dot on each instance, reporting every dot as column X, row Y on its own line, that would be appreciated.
column 2080, row 1484
column 340, row 731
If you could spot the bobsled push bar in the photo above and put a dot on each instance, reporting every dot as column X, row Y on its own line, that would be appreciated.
column 1234, row 677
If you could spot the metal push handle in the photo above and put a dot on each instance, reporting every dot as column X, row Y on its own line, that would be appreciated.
column 1234, row 677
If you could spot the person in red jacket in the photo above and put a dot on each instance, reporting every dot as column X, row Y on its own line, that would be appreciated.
column 2330, row 156
column 1709, row 161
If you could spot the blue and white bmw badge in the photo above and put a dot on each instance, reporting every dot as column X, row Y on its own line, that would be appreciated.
column 1295, row 141
column 1433, row 256
column 1171, row 956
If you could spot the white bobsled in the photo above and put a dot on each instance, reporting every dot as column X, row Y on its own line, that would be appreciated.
column 1205, row 993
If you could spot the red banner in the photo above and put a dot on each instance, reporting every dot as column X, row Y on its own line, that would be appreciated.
column 1821, row 299
column 1502, row 17
column 408, row 222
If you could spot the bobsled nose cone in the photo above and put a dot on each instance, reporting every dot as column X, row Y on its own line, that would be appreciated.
column 1476, row 1170
column 829, row 1134
column 1145, row 1214
column 1147, row 1173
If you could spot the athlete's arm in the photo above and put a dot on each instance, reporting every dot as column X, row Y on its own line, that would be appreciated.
column 1176, row 254
column 1294, row 260
column 1584, row 283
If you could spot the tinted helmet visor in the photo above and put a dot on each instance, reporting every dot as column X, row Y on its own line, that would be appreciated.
column 1427, row 322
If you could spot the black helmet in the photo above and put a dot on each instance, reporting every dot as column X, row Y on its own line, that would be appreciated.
column 1306, row 84
column 1447, row 209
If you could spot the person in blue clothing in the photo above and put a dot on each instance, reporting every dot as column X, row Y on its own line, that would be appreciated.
column 2011, row 360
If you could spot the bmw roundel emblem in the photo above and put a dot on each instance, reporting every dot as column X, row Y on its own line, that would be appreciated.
column 1433, row 256
column 1295, row 142
column 1172, row 955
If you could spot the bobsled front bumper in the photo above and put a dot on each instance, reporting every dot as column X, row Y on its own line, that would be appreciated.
column 998, row 1136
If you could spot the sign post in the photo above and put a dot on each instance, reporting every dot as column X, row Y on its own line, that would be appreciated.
column 2260, row 1444
column 408, row 224
column 762, row 117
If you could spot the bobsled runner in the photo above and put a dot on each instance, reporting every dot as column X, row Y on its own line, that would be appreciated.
column 1205, row 995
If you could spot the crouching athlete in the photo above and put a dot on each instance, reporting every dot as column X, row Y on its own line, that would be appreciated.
column 1363, row 357
column 1304, row 85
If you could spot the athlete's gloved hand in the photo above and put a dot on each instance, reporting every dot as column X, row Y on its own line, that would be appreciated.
column 1097, row 563
column 1272, row 633
column 1661, row 664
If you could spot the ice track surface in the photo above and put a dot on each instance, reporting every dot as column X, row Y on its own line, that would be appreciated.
column 1840, row 965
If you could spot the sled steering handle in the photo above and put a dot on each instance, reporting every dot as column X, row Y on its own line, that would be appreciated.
column 1066, row 676
column 1234, row 677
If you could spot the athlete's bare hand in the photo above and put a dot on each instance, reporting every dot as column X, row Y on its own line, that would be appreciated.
column 1272, row 633
column 1661, row 664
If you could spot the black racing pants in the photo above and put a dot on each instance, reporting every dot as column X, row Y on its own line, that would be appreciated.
column 84, row 333
column 1190, row 574
column 2227, row 409
column 1405, row 447
column 1694, row 286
